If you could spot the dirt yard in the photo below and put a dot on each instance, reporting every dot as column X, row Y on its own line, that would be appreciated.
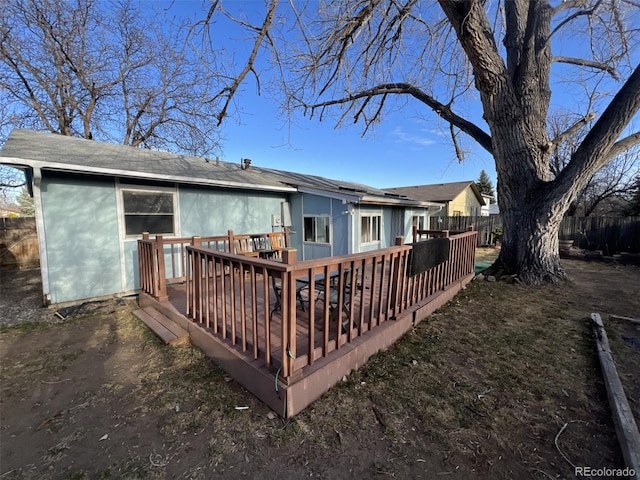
column 481, row 389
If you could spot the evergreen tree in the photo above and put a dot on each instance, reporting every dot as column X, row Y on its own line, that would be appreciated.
column 25, row 202
column 485, row 186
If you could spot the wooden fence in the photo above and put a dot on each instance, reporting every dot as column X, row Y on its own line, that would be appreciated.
column 609, row 234
column 485, row 226
column 18, row 243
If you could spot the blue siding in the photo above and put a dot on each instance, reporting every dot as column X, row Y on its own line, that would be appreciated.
column 315, row 205
column 213, row 212
column 81, row 232
column 385, row 228
column 341, row 219
column 297, row 227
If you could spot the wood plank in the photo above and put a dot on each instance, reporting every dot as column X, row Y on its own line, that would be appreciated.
column 167, row 323
column 625, row 425
column 157, row 328
column 629, row 319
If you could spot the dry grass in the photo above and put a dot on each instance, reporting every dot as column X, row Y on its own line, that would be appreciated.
column 480, row 389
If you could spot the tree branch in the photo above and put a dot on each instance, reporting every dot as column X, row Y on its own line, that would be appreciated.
column 572, row 17
column 600, row 143
column 623, row 145
column 229, row 92
column 444, row 111
column 570, row 131
column 581, row 62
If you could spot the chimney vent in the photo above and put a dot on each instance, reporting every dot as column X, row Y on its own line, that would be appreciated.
column 247, row 163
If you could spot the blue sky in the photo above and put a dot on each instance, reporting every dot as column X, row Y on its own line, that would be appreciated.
column 403, row 150
column 407, row 148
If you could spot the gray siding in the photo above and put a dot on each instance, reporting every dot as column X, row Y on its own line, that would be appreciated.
column 81, row 231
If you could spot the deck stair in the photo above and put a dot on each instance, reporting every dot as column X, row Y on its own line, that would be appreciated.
column 169, row 331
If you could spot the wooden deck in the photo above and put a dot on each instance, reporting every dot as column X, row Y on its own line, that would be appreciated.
column 267, row 322
column 287, row 335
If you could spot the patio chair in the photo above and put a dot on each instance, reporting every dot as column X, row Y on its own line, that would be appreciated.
column 277, row 289
column 243, row 245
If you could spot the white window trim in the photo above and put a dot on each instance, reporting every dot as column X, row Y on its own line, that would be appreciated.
column 329, row 241
column 419, row 216
column 121, row 187
column 371, row 215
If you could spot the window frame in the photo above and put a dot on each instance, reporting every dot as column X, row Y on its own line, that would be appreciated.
column 370, row 217
column 421, row 219
column 158, row 190
column 315, row 218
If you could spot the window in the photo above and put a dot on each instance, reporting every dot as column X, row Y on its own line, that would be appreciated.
column 457, row 213
column 370, row 228
column 316, row 229
column 418, row 221
column 148, row 211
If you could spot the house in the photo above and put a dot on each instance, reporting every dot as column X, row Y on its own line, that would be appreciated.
column 461, row 199
column 94, row 200
column 286, row 328
column 489, row 208
column 9, row 211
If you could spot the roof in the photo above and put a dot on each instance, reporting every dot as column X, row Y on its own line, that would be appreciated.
column 48, row 151
column 61, row 153
column 438, row 192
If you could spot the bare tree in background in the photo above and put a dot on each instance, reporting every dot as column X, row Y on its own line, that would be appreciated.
column 107, row 71
column 357, row 58
column 609, row 188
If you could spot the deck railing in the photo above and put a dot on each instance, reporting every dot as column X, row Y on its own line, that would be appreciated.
column 460, row 263
column 292, row 313
column 256, row 303
column 162, row 261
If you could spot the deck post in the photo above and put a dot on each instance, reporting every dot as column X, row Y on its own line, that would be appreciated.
column 161, row 292
column 289, row 255
column 289, row 323
column 143, row 264
column 231, row 241
column 287, row 231
column 196, row 280
column 396, row 279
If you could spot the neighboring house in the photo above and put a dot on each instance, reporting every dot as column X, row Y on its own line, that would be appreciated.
column 9, row 211
column 489, row 208
column 461, row 199
column 93, row 201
